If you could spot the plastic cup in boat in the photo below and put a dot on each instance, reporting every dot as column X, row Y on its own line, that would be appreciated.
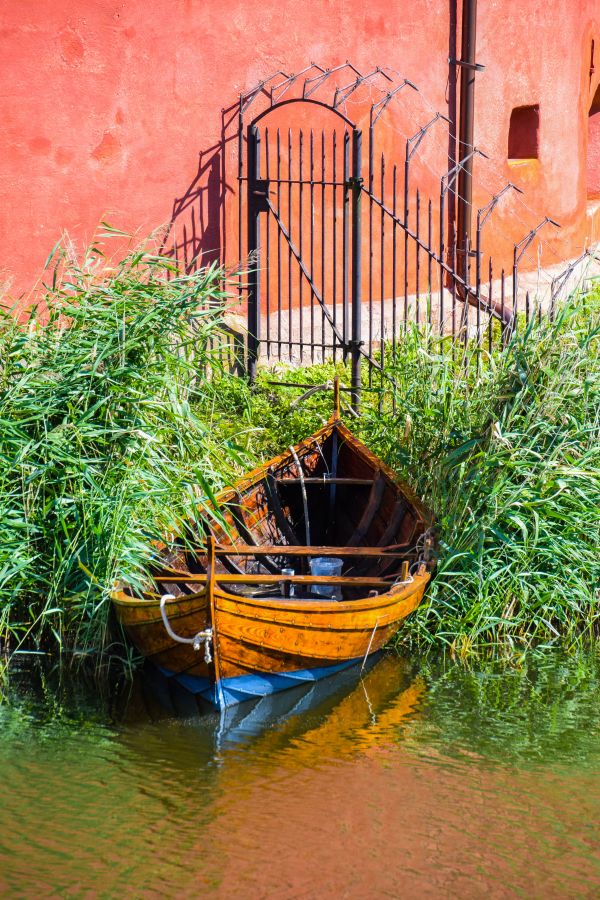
column 288, row 590
column 328, row 566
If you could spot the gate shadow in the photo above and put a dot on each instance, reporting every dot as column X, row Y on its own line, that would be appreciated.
column 196, row 233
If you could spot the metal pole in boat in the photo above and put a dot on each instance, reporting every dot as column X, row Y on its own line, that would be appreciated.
column 336, row 397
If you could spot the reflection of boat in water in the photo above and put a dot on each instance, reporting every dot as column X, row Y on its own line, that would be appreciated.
column 324, row 554
column 347, row 712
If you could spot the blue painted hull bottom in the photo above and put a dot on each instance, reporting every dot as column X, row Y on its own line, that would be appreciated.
column 231, row 691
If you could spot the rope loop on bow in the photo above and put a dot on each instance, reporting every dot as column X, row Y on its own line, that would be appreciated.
column 202, row 638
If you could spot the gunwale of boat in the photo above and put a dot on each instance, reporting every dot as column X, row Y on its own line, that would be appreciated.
column 242, row 487
column 296, row 604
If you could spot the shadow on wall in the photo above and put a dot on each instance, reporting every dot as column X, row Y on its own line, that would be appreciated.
column 202, row 217
column 197, row 235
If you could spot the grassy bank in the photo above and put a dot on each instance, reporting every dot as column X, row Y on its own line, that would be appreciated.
column 112, row 432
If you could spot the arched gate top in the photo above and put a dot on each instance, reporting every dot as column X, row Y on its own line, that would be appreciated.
column 281, row 103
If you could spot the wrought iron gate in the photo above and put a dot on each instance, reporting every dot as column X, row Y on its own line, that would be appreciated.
column 344, row 250
column 304, row 195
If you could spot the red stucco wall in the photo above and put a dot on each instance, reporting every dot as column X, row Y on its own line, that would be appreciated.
column 108, row 107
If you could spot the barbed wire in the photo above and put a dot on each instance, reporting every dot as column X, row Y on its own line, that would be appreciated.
column 366, row 92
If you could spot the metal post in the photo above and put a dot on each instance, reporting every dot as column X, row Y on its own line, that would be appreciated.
column 346, row 324
column 253, row 252
column 356, row 341
column 466, row 126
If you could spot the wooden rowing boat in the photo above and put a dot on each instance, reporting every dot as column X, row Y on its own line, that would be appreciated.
column 230, row 621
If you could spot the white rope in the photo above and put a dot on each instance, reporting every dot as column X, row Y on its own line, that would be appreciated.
column 326, row 386
column 370, row 642
column 203, row 637
column 398, row 582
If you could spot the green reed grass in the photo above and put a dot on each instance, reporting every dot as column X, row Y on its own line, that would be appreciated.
column 506, row 450
column 117, row 424
column 503, row 447
column 101, row 447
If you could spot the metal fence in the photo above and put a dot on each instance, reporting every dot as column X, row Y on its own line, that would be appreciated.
column 345, row 248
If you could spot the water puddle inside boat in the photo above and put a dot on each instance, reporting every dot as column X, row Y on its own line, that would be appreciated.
column 419, row 778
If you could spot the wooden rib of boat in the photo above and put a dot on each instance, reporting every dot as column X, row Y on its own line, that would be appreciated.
column 230, row 622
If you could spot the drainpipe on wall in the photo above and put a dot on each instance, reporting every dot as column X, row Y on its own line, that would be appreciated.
column 464, row 200
column 468, row 68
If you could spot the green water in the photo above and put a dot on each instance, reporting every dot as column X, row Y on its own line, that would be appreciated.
column 418, row 780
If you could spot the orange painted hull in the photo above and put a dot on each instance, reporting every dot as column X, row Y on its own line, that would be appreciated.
column 275, row 635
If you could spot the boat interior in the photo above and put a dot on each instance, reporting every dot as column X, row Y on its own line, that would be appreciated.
column 322, row 522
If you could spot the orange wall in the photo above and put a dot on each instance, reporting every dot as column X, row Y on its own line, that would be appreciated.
column 107, row 108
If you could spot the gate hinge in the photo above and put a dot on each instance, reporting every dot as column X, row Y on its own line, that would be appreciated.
column 355, row 183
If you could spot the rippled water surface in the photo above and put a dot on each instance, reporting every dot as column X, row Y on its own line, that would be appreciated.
column 416, row 780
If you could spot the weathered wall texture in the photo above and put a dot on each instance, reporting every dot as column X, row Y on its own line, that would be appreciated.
column 114, row 109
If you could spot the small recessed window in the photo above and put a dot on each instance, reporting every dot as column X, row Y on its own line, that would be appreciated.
column 524, row 132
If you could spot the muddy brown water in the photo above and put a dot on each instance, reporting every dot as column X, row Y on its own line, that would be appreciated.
column 418, row 779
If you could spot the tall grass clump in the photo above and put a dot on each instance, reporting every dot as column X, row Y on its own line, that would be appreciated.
column 506, row 450
column 101, row 446
column 117, row 424
column 504, row 447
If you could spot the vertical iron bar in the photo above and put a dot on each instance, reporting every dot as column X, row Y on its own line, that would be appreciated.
column 502, row 300
column 491, row 296
column 323, row 278
column 453, row 263
column 406, row 188
column 466, row 128
column 300, row 226
column 253, row 145
column 478, row 283
column 394, row 250
column 441, row 260
column 382, row 265
column 334, row 278
column 418, row 258
column 346, row 242
column 290, row 320
column 356, row 264
column 312, row 244
column 267, row 256
column 240, row 197
column 514, row 288
column 429, row 261
column 278, row 245
column 371, row 191
column 467, row 305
